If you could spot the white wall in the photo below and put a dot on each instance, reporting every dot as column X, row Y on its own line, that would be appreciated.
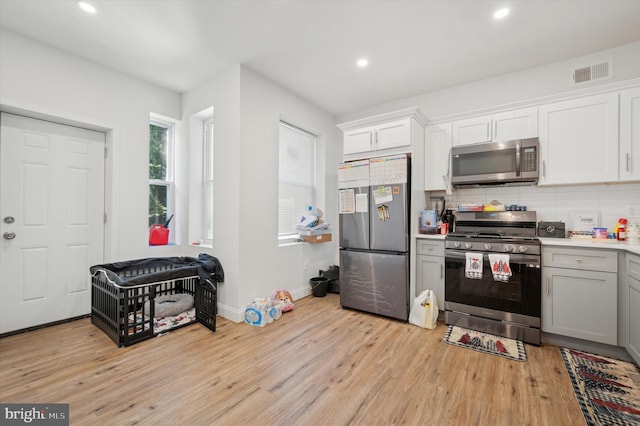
column 266, row 266
column 247, row 112
column 47, row 82
column 222, row 92
column 510, row 89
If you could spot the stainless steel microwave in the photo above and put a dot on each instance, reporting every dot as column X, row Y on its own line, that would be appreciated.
column 494, row 163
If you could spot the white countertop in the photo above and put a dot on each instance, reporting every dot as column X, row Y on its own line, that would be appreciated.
column 628, row 246
column 631, row 247
column 431, row 236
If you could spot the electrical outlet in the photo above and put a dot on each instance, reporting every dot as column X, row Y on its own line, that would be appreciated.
column 632, row 211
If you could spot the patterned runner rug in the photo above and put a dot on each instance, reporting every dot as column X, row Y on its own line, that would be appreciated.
column 608, row 390
column 487, row 343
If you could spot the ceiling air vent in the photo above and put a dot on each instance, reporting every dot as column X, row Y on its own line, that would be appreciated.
column 602, row 71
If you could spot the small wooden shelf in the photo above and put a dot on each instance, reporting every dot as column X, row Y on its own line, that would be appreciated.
column 320, row 238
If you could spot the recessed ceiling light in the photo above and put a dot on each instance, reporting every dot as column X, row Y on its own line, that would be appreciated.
column 87, row 7
column 362, row 62
column 501, row 13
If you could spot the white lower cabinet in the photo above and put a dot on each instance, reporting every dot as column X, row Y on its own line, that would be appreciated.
column 633, row 297
column 580, row 293
column 430, row 268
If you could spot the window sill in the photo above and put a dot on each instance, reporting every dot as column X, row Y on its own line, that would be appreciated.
column 162, row 245
column 205, row 245
column 292, row 240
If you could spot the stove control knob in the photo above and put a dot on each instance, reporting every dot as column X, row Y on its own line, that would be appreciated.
column 456, row 244
column 508, row 248
column 522, row 249
column 468, row 245
column 487, row 246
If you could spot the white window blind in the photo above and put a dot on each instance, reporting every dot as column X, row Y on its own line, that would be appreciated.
column 297, row 177
column 207, row 181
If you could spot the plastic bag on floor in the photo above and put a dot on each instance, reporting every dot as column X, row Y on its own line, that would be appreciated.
column 424, row 312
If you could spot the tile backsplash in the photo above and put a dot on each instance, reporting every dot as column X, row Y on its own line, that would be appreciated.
column 557, row 203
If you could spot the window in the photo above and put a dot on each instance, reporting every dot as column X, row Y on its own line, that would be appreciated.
column 161, row 188
column 207, row 181
column 297, row 178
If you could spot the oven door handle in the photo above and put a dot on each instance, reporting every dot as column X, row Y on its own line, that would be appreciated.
column 513, row 258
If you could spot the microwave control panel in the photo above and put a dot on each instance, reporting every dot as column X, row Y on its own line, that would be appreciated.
column 530, row 160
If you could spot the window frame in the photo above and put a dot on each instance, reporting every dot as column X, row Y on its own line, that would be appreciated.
column 169, row 181
column 208, row 179
column 293, row 236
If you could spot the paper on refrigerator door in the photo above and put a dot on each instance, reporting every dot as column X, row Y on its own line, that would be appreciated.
column 382, row 194
column 388, row 170
column 362, row 203
column 354, row 174
column 348, row 201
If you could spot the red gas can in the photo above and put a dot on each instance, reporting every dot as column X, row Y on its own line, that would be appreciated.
column 158, row 235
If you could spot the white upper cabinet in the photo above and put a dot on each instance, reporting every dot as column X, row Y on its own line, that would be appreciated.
column 516, row 124
column 436, row 155
column 383, row 134
column 472, row 130
column 359, row 140
column 630, row 134
column 579, row 140
column 510, row 125
column 393, row 135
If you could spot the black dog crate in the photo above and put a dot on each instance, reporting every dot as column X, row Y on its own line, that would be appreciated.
column 123, row 294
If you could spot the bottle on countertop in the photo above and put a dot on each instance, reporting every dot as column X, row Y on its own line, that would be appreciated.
column 622, row 229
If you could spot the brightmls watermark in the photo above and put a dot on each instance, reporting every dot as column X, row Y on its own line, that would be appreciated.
column 34, row 414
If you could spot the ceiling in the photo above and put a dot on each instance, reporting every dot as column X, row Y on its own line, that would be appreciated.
column 311, row 47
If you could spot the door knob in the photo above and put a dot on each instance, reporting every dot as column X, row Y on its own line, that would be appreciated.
column 9, row 219
column 9, row 235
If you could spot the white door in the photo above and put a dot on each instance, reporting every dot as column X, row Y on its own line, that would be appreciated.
column 51, row 220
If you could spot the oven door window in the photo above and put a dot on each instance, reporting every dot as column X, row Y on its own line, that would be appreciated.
column 521, row 294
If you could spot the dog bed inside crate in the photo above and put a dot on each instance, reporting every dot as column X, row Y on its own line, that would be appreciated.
column 171, row 305
column 124, row 295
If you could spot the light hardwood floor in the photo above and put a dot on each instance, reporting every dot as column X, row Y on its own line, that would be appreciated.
column 318, row 365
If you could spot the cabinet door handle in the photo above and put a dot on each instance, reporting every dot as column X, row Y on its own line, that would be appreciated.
column 578, row 260
column 544, row 168
column 627, row 157
column 441, row 271
column 548, row 286
column 495, row 129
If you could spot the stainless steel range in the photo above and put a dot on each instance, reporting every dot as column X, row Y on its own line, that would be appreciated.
column 492, row 274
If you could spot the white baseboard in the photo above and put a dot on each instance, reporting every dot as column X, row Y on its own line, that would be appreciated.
column 230, row 313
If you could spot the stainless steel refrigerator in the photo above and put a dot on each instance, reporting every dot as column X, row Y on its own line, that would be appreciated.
column 374, row 235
